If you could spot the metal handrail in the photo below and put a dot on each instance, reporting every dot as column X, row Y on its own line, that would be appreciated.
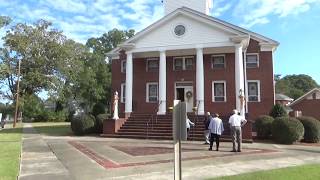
column 151, row 119
column 196, row 120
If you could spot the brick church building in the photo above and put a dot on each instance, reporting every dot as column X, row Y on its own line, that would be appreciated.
column 190, row 56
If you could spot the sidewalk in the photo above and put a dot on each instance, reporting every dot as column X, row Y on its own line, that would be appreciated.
column 83, row 158
column 37, row 160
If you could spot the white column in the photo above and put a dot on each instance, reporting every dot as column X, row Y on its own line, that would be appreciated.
column 162, row 82
column 200, row 81
column 129, row 75
column 239, row 78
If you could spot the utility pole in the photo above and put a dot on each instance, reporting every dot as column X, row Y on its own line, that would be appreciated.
column 17, row 96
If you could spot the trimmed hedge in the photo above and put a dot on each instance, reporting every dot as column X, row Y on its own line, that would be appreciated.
column 311, row 129
column 82, row 124
column 99, row 122
column 263, row 126
column 286, row 130
column 278, row 110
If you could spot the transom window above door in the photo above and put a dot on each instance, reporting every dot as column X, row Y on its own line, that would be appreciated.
column 183, row 63
column 218, row 61
column 152, row 65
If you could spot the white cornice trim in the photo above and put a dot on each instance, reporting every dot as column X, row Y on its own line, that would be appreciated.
column 304, row 96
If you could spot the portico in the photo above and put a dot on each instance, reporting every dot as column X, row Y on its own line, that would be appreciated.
column 235, row 45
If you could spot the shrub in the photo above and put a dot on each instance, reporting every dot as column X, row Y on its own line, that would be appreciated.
column 287, row 130
column 278, row 110
column 82, row 124
column 98, row 108
column 99, row 122
column 311, row 129
column 263, row 126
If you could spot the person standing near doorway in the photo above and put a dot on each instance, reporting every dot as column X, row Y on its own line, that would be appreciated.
column 236, row 122
column 206, row 123
column 216, row 129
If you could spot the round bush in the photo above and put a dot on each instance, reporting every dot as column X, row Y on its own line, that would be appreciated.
column 82, row 124
column 99, row 122
column 278, row 110
column 263, row 126
column 311, row 129
column 98, row 108
column 287, row 130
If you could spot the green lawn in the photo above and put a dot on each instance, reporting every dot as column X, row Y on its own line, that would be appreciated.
column 10, row 142
column 304, row 172
column 53, row 128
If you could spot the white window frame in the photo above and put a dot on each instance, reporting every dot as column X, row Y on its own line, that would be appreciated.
column 259, row 92
column 147, row 92
column 258, row 60
column 218, row 55
column 122, row 94
column 151, row 59
column 225, row 90
column 122, row 66
column 183, row 63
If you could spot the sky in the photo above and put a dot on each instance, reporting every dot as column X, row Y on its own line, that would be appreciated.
column 293, row 23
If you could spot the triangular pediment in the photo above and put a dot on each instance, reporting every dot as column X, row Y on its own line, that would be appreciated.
column 200, row 29
column 197, row 31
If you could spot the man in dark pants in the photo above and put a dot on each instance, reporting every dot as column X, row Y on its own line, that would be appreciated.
column 216, row 129
column 206, row 132
column 236, row 122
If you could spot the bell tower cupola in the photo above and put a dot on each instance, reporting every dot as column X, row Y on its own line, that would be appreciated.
column 202, row 6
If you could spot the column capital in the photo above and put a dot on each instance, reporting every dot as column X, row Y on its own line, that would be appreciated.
column 129, row 52
column 238, row 45
column 162, row 49
column 199, row 46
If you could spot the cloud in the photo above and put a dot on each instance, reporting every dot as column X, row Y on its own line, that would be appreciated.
column 83, row 19
column 220, row 7
column 253, row 12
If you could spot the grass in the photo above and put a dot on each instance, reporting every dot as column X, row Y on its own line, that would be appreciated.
column 304, row 172
column 53, row 128
column 10, row 149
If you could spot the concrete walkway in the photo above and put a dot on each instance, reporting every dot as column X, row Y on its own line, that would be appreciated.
column 37, row 159
column 82, row 158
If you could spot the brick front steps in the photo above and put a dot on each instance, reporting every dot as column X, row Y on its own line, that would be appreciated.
column 160, row 127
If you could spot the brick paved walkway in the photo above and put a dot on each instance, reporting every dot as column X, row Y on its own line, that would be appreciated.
column 104, row 158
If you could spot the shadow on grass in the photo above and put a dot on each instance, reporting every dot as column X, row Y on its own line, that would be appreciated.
column 11, row 130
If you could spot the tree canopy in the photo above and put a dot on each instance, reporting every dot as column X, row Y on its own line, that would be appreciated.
column 66, row 70
column 295, row 86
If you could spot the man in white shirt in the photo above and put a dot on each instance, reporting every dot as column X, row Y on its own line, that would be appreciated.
column 216, row 129
column 236, row 122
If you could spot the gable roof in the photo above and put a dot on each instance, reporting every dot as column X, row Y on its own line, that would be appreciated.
column 304, row 96
column 282, row 97
column 209, row 19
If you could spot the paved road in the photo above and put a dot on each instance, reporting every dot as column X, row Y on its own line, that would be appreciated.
column 83, row 158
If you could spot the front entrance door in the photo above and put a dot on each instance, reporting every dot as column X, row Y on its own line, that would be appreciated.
column 184, row 93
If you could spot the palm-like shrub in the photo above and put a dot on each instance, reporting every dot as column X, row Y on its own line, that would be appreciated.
column 278, row 110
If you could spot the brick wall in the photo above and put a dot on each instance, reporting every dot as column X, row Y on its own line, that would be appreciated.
column 308, row 107
column 264, row 73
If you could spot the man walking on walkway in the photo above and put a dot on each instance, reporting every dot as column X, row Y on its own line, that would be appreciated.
column 206, row 123
column 216, row 129
column 236, row 122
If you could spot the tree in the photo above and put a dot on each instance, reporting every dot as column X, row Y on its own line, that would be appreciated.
column 39, row 49
column 295, row 85
column 4, row 21
column 109, row 41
